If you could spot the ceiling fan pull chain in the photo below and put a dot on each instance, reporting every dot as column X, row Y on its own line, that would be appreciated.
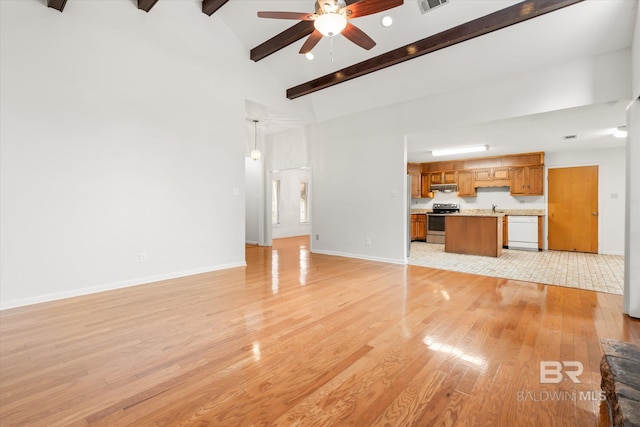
column 331, row 48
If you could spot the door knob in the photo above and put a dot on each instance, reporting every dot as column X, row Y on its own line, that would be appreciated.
column 594, row 213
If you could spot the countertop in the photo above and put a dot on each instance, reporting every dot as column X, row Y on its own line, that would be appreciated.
column 487, row 212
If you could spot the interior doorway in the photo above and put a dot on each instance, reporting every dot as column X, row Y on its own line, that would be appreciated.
column 290, row 202
column 573, row 209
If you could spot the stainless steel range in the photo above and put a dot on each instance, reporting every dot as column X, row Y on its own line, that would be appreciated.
column 435, row 221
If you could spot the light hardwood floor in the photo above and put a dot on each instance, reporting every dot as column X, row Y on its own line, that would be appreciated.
column 305, row 339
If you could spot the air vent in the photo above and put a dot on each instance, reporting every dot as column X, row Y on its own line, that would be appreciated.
column 428, row 5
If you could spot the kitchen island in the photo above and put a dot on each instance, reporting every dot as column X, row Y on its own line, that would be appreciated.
column 474, row 234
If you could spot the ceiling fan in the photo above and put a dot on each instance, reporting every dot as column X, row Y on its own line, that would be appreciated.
column 332, row 17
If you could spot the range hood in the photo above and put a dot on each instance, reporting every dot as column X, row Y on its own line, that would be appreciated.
column 445, row 188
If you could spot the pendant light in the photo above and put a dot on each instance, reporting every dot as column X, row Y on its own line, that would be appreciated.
column 255, row 153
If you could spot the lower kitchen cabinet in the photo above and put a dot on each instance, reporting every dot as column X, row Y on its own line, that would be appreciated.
column 419, row 227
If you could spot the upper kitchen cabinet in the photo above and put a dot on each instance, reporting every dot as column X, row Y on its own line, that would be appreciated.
column 522, row 173
column 447, row 177
column 450, row 177
column 492, row 177
column 413, row 170
column 527, row 180
column 466, row 187
column 425, row 186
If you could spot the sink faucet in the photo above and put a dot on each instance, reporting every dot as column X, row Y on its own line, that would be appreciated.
column 493, row 208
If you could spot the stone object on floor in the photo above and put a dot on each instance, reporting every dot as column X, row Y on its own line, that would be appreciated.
column 620, row 371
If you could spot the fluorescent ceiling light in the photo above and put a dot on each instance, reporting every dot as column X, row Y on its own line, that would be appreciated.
column 620, row 132
column 459, row 150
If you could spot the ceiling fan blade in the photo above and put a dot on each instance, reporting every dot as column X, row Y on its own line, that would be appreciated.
column 311, row 42
column 287, row 15
column 369, row 7
column 358, row 36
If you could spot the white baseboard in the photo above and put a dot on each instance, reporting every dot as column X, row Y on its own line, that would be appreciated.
column 360, row 256
column 112, row 286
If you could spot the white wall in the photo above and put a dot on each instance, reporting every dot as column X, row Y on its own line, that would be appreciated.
column 253, row 189
column 359, row 170
column 632, row 246
column 359, row 161
column 122, row 132
column 635, row 57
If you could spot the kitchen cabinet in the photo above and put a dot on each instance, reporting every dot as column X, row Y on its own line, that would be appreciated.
column 418, row 227
column 492, row 177
column 425, row 186
column 466, row 187
column 445, row 177
column 486, row 232
column 450, row 177
column 436, row 178
column 413, row 169
column 527, row 180
column 505, row 231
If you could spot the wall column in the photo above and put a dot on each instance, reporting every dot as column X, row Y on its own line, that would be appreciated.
column 632, row 226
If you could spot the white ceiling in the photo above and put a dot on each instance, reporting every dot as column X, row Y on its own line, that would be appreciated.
column 589, row 28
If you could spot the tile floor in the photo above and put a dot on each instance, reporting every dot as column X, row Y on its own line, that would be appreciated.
column 602, row 273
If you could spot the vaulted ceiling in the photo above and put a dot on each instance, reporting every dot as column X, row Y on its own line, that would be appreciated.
column 457, row 44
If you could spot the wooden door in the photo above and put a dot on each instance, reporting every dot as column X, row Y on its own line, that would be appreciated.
column 573, row 209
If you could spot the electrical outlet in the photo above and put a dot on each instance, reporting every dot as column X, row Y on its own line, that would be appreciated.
column 317, row 237
column 143, row 257
column 368, row 241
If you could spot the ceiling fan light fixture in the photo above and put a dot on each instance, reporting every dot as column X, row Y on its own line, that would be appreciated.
column 330, row 24
column 459, row 150
column 309, row 56
column 255, row 153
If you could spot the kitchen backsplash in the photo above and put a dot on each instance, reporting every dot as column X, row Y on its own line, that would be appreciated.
column 484, row 199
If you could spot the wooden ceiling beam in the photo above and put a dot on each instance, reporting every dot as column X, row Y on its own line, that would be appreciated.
column 146, row 5
column 282, row 40
column 210, row 6
column 503, row 18
column 57, row 4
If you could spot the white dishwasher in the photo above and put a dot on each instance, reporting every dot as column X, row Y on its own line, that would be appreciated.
column 523, row 232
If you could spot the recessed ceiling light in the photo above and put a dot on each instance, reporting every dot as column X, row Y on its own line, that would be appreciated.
column 620, row 132
column 386, row 21
column 309, row 56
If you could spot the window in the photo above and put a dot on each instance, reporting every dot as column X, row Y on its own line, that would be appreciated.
column 304, row 212
column 275, row 202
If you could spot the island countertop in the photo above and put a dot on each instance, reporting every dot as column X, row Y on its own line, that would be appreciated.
column 474, row 234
